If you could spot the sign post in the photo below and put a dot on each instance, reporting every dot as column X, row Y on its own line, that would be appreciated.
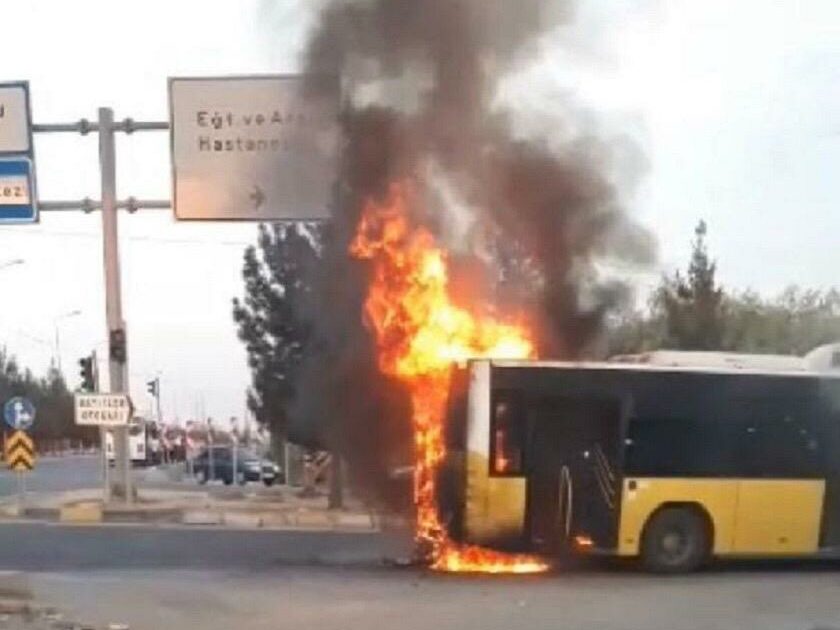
column 106, row 468
column 117, row 359
column 18, row 447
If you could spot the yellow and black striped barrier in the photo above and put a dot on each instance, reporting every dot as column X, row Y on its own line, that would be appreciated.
column 19, row 451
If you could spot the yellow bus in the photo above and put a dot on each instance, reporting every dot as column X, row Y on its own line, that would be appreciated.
column 670, row 464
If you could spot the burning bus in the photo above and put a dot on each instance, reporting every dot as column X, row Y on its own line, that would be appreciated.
column 660, row 459
column 668, row 457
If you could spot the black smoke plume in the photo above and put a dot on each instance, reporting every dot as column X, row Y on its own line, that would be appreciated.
column 421, row 79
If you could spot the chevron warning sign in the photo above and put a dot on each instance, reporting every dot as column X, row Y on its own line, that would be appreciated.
column 19, row 451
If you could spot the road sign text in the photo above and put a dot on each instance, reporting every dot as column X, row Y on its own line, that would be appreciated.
column 254, row 148
column 109, row 410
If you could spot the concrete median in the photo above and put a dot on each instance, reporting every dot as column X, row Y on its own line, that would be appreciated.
column 15, row 585
column 241, row 510
column 86, row 512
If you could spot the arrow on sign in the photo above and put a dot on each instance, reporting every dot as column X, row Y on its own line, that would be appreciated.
column 257, row 196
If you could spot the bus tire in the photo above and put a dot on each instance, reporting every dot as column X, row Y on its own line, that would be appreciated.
column 675, row 540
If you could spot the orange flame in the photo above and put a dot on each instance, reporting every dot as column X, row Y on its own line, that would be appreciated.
column 420, row 332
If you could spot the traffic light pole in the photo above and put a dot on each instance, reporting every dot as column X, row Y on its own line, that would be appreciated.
column 103, row 438
column 155, row 387
column 117, row 369
column 105, row 126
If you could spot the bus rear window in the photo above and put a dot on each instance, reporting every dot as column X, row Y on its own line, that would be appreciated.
column 507, row 435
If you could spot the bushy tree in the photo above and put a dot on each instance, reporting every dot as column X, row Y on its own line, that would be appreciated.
column 692, row 305
column 691, row 312
column 274, row 316
column 794, row 322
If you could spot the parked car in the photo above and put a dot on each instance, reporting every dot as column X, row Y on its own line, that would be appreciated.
column 249, row 467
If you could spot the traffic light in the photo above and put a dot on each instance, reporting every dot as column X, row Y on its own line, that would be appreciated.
column 152, row 387
column 86, row 372
column 116, row 345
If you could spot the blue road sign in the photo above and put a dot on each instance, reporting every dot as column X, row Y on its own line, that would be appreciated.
column 17, row 191
column 19, row 413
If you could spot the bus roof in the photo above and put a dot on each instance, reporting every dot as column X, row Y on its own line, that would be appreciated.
column 682, row 358
column 733, row 369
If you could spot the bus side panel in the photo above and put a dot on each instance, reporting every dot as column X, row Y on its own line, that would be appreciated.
column 494, row 506
column 719, row 497
column 750, row 516
column 778, row 516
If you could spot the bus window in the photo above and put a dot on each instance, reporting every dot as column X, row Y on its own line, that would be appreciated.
column 781, row 439
column 665, row 447
column 507, row 435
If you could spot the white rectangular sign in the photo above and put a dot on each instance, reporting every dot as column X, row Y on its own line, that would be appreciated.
column 15, row 133
column 103, row 410
column 254, row 148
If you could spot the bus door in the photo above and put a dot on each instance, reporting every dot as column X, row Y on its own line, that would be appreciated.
column 573, row 484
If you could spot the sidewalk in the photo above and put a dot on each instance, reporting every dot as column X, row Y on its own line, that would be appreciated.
column 278, row 507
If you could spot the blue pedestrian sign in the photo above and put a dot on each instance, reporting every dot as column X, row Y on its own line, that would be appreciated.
column 17, row 191
column 19, row 413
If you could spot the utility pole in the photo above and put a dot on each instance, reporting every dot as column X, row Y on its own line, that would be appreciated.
column 157, row 400
column 335, row 500
column 153, row 387
column 103, row 438
column 117, row 355
column 109, row 205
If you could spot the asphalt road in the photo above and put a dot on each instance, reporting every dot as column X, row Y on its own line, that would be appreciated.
column 214, row 579
column 38, row 546
column 54, row 474
column 210, row 579
column 364, row 599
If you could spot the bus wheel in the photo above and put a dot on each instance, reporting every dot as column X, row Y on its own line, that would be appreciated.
column 675, row 540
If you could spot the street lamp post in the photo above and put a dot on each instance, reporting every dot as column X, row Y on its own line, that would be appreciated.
column 72, row 313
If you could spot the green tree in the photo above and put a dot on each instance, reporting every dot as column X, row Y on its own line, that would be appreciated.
column 692, row 306
column 274, row 316
column 634, row 331
column 691, row 312
column 794, row 322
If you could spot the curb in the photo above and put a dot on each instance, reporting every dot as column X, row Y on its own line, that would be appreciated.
column 133, row 515
column 93, row 512
column 42, row 514
column 80, row 513
column 15, row 585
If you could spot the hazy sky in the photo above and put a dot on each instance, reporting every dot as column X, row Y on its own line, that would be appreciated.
column 733, row 103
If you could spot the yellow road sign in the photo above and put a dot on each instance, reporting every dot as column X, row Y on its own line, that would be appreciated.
column 19, row 451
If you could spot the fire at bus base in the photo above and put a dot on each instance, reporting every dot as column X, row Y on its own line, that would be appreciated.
column 420, row 333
